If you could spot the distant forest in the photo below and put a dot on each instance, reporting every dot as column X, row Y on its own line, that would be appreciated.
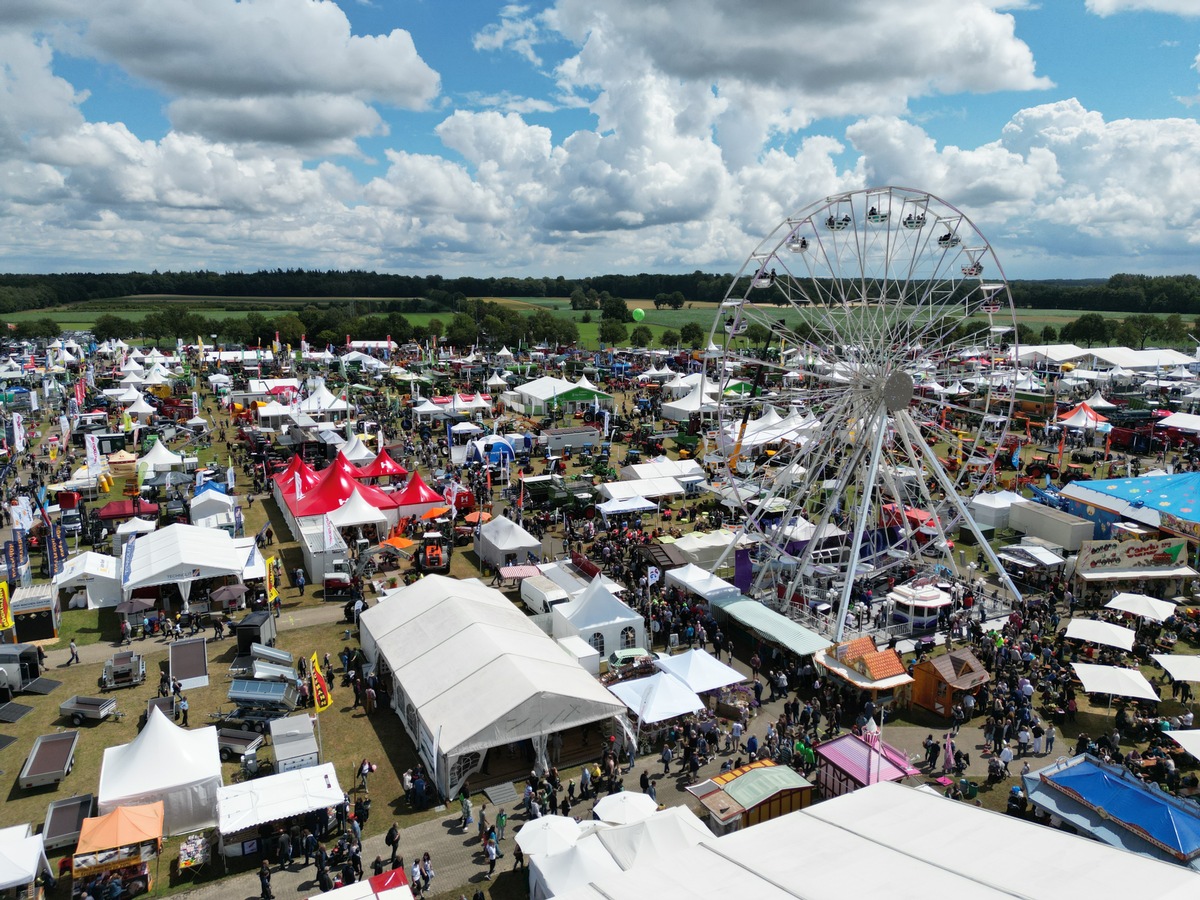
column 1157, row 294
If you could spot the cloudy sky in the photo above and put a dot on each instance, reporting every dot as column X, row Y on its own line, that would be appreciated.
column 579, row 137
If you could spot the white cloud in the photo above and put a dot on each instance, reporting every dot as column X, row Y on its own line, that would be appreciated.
column 515, row 31
column 33, row 100
column 1112, row 7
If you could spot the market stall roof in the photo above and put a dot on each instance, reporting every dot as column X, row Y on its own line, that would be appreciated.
column 356, row 511
column 160, row 458
column 682, row 470
column 275, row 797
column 1097, row 632
column 356, row 452
column 626, row 506
column 382, row 466
column 286, row 479
column 137, row 526
column 651, row 488
column 770, row 625
column 1115, row 680
column 180, row 553
column 1188, row 740
column 337, row 484
column 657, row 698
column 125, row 509
column 417, row 497
column 700, row 670
column 1143, row 606
column 701, row 582
column 92, row 568
column 123, row 827
column 595, row 606
column 1179, row 666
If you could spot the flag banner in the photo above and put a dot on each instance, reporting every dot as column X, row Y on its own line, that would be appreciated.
column 322, row 699
column 272, row 587
column 6, row 616
column 18, row 427
column 56, row 550
column 331, row 535
column 91, row 443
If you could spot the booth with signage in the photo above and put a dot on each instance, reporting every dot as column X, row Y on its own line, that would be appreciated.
column 119, row 846
column 249, row 813
column 35, row 613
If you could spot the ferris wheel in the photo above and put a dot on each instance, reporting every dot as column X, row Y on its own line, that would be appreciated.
column 861, row 366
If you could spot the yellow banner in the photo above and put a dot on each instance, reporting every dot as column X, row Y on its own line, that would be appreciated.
column 6, row 616
column 322, row 699
column 272, row 587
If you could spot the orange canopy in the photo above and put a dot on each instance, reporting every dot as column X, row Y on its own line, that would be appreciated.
column 123, row 827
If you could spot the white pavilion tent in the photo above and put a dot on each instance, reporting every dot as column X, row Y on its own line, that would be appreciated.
column 471, row 672
column 180, row 554
column 649, row 488
column 657, row 698
column 97, row 574
column 697, row 401
column 597, row 616
column 22, row 858
column 135, row 773
column 700, row 670
column 357, row 510
column 501, row 539
column 700, row 582
column 160, row 458
column 263, row 801
column 211, row 503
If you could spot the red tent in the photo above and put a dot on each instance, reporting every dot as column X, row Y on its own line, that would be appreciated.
column 287, row 478
column 418, row 497
column 382, row 465
column 335, row 487
column 127, row 509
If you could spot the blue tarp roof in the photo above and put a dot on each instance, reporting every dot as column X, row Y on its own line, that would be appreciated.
column 1176, row 494
column 1148, row 813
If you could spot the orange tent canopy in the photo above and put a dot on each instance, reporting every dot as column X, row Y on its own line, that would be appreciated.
column 123, row 827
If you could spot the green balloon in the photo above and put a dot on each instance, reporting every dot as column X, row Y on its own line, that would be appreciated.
column 638, row 315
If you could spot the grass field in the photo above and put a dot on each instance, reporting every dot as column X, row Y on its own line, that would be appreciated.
column 82, row 316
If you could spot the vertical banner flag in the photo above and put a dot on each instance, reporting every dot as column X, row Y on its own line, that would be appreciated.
column 320, row 690
column 91, row 443
column 331, row 536
column 64, row 425
column 272, row 587
column 33, row 401
column 18, row 427
column 56, row 550
column 79, row 392
column 6, row 616
column 195, row 404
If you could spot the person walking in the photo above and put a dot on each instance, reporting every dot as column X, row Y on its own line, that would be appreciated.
column 490, row 849
column 74, row 653
column 300, row 580
column 285, row 849
column 518, row 858
column 392, row 839
column 183, row 711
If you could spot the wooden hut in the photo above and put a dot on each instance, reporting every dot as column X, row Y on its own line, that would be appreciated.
column 942, row 681
column 751, row 794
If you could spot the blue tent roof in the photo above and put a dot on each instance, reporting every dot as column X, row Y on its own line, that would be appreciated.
column 218, row 486
column 1175, row 494
column 1147, row 812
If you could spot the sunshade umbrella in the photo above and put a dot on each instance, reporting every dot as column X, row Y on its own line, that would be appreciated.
column 625, row 808
column 1142, row 606
column 228, row 592
column 547, row 835
column 134, row 605
column 436, row 513
column 399, row 543
column 477, row 517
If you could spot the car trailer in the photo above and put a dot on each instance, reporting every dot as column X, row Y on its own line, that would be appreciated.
column 124, row 669
column 50, row 760
column 233, row 742
column 64, row 820
column 77, row 709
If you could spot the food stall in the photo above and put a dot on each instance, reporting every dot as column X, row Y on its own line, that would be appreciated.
column 120, row 846
column 247, row 812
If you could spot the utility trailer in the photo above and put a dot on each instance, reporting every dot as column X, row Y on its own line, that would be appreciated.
column 50, row 760
column 124, row 669
column 233, row 742
column 64, row 820
column 77, row 709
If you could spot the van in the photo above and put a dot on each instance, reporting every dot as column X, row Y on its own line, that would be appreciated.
column 541, row 594
column 619, row 658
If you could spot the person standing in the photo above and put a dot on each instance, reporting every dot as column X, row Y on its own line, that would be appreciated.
column 300, row 580
column 285, row 849
column 264, row 880
column 74, row 653
column 392, row 839
column 501, row 824
column 414, row 879
column 183, row 711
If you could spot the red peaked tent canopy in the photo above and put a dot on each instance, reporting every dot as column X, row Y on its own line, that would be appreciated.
column 417, row 497
column 335, row 487
column 297, row 466
column 382, row 465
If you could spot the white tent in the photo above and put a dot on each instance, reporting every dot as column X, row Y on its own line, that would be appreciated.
column 503, row 539
column 210, row 503
column 428, row 408
column 705, row 548
column 356, row 451
column 681, row 410
column 137, row 526
column 280, row 796
column 657, row 697
column 700, row 670
column 992, row 508
column 682, row 470
column 357, row 510
column 139, row 407
column 179, row 766
column 701, row 582
column 1114, row 680
column 97, row 574
column 159, row 457
column 656, row 838
column 1143, row 606
column 597, row 616
column 1097, row 632
column 626, row 506
column 587, row 861
column 1097, row 401
column 1179, row 666
column 471, row 672
column 22, row 859
column 180, row 554
column 322, row 400
column 651, row 488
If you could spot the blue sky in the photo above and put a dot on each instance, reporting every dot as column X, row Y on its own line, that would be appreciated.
column 579, row 137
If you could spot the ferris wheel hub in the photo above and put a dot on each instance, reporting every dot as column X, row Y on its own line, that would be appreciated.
column 898, row 391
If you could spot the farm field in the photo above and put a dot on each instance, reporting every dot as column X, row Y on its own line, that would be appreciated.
column 82, row 316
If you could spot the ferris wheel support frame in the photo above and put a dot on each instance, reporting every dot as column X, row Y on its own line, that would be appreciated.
column 860, row 524
column 952, row 494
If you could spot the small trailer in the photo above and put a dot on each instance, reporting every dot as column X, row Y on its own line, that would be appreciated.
column 124, row 669
column 233, row 742
column 50, row 760
column 257, row 703
column 64, row 820
column 77, row 709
